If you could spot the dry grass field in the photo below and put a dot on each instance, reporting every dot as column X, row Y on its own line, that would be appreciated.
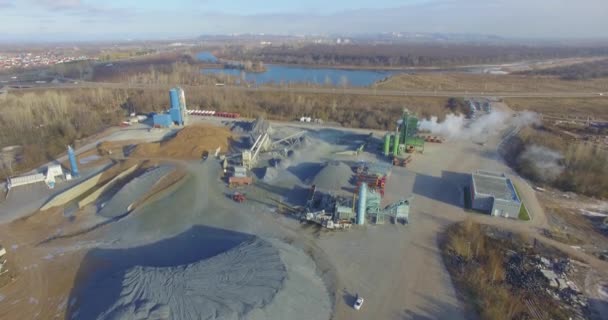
column 491, row 83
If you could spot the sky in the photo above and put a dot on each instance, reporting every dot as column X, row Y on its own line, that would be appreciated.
column 164, row 19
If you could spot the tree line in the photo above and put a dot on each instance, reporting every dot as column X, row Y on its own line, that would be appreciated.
column 403, row 55
column 580, row 71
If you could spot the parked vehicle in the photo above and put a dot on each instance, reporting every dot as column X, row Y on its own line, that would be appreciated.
column 358, row 303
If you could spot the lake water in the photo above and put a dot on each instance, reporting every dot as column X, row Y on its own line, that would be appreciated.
column 292, row 74
column 280, row 74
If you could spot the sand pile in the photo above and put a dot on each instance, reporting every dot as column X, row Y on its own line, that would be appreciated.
column 189, row 143
column 333, row 176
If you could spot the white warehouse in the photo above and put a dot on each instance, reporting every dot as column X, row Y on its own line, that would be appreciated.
column 495, row 194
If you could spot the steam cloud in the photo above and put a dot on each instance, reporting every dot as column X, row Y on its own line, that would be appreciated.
column 546, row 163
column 457, row 127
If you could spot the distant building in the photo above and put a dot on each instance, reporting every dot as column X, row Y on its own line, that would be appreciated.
column 495, row 194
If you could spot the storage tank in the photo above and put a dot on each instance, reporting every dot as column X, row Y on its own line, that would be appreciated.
column 73, row 163
column 174, row 98
column 396, row 145
column 387, row 144
column 362, row 204
column 182, row 98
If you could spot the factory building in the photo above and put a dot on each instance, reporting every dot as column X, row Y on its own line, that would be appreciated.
column 495, row 194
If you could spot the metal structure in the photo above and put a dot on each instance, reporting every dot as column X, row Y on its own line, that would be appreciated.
column 25, row 180
column 178, row 110
column 362, row 207
column 405, row 135
column 3, row 261
column 73, row 162
column 162, row 120
column 260, row 134
column 495, row 194
column 398, row 211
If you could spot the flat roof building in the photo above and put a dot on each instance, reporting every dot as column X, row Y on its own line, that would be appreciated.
column 494, row 193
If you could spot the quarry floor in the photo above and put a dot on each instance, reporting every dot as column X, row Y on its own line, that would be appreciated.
column 397, row 269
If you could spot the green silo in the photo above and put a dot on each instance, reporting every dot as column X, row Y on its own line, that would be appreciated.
column 387, row 144
column 396, row 145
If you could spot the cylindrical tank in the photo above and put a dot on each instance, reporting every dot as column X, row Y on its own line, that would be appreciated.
column 182, row 98
column 174, row 98
column 73, row 163
column 362, row 204
column 387, row 145
column 396, row 145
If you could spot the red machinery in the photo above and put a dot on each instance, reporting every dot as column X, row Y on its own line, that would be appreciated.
column 373, row 182
column 239, row 197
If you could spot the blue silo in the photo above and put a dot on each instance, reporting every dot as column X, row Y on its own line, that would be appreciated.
column 176, row 116
column 362, row 204
column 73, row 162
column 174, row 98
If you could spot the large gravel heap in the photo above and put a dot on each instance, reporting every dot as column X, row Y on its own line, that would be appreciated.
column 226, row 286
column 333, row 176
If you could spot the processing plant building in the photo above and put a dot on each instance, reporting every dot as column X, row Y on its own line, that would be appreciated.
column 495, row 194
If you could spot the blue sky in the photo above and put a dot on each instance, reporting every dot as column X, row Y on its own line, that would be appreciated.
column 122, row 19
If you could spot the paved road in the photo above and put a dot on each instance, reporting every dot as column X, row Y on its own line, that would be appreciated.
column 350, row 91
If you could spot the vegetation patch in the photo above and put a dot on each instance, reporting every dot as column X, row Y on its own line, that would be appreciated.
column 544, row 156
column 501, row 277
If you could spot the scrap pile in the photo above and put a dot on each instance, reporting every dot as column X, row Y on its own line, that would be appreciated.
column 541, row 275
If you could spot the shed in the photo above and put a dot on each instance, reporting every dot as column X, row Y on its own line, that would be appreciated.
column 495, row 194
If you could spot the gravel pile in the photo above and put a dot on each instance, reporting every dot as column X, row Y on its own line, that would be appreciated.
column 226, row 286
column 333, row 176
column 133, row 191
column 257, row 279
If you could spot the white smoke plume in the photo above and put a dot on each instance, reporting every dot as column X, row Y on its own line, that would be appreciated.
column 457, row 127
column 546, row 163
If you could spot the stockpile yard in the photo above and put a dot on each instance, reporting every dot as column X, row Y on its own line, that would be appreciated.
column 217, row 218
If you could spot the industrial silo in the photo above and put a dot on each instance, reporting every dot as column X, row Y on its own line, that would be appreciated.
column 174, row 98
column 73, row 162
column 362, row 204
column 387, row 144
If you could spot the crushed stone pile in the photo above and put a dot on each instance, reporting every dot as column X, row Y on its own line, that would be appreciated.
column 333, row 176
column 226, row 286
column 189, row 143
column 133, row 191
column 271, row 174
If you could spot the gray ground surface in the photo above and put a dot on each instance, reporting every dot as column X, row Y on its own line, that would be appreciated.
column 194, row 234
column 397, row 269
column 24, row 200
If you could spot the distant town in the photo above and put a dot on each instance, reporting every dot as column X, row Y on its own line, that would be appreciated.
column 29, row 60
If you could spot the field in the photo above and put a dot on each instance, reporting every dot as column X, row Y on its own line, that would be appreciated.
column 490, row 83
column 564, row 107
